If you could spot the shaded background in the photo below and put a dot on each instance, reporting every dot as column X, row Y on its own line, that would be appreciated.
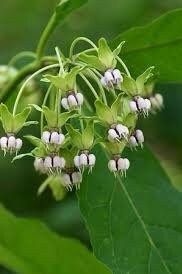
column 21, row 25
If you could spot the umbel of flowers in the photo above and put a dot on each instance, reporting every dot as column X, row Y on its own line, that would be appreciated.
column 91, row 100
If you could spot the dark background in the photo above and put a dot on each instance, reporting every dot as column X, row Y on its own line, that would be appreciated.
column 21, row 25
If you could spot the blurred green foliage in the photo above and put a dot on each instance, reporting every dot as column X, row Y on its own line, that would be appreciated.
column 20, row 28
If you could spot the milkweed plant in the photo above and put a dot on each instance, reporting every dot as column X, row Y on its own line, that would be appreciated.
column 90, row 99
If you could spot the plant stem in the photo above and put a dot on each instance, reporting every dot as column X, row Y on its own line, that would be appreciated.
column 123, row 65
column 90, row 86
column 43, row 104
column 25, row 83
column 78, row 40
column 20, row 55
column 45, row 36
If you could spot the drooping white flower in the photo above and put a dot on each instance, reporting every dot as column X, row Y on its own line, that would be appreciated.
column 71, row 179
column 85, row 160
column 53, row 137
column 53, row 164
column 10, row 144
column 119, row 165
column 139, row 104
column 111, row 77
column 73, row 100
column 39, row 165
column 118, row 132
column 136, row 139
column 157, row 101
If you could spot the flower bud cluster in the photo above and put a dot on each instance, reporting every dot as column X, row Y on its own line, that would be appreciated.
column 10, row 144
column 112, row 77
column 72, row 100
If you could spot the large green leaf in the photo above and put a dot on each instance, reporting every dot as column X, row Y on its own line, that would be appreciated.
column 67, row 6
column 135, row 224
column 28, row 247
column 158, row 43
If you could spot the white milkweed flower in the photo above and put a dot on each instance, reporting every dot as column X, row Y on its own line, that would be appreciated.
column 139, row 104
column 50, row 164
column 85, row 160
column 52, row 137
column 118, row 132
column 71, row 179
column 118, row 164
column 137, row 139
column 111, row 77
column 10, row 144
column 72, row 100
column 157, row 101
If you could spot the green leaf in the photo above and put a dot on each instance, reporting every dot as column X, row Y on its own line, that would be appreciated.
column 66, row 7
column 117, row 51
column 75, row 136
column 36, row 107
column 105, row 54
column 129, row 85
column 92, row 61
column 88, row 135
column 20, row 119
column 65, row 116
column 32, row 139
column 116, row 106
column 104, row 112
column 143, row 78
column 145, row 47
column 7, row 119
column 135, row 224
column 51, row 117
column 20, row 156
column 29, row 247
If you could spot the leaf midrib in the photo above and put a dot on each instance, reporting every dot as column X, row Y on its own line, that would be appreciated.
column 132, row 204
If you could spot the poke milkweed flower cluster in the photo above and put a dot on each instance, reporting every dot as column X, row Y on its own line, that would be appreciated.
column 91, row 99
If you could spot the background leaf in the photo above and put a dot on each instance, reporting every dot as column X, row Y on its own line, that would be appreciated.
column 158, row 43
column 50, row 253
column 135, row 228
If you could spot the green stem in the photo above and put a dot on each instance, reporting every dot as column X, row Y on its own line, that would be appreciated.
column 45, row 36
column 21, row 55
column 123, row 65
column 25, row 83
column 90, row 86
column 78, row 40
column 43, row 104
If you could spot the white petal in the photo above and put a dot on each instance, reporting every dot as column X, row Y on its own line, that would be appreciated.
column 4, row 142
column 18, row 143
column 139, row 135
column 141, row 103
column 46, row 137
column 54, row 138
column 112, row 133
column 72, row 101
column 103, row 81
column 112, row 165
column 91, row 159
column 121, row 164
column 66, row 179
column 154, row 102
column 76, row 177
column 133, row 106
column 39, row 164
column 61, row 139
column 108, row 77
column 126, row 163
column 133, row 141
column 117, row 76
column 64, row 103
column 77, row 161
column 56, row 161
column 123, row 130
column 83, row 160
column 159, row 99
column 48, row 162
column 11, row 142
column 79, row 97
column 147, row 104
